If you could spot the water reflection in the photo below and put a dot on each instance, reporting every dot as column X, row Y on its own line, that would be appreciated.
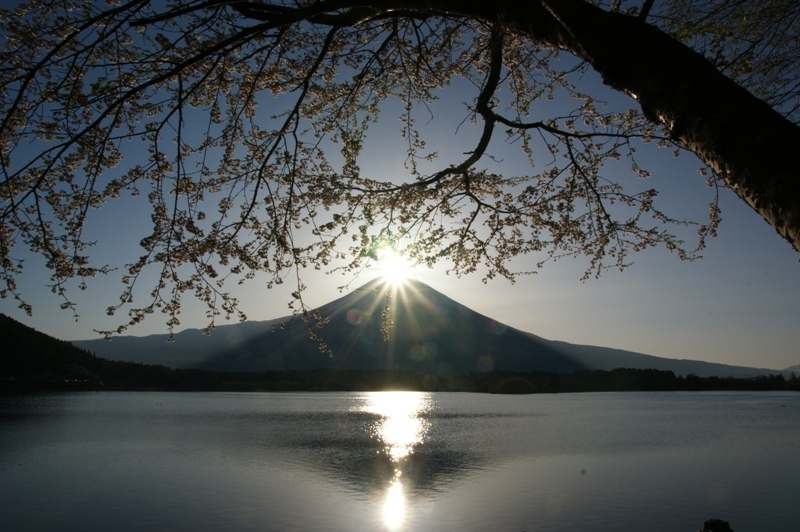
column 401, row 427
column 463, row 462
column 394, row 508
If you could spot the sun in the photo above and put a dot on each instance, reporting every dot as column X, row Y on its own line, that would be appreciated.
column 394, row 268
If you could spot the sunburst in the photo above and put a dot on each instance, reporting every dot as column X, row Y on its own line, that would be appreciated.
column 394, row 267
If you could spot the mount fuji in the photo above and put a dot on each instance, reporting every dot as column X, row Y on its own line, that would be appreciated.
column 379, row 326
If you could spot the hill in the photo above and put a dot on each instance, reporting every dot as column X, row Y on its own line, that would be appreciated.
column 606, row 359
column 790, row 369
column 39, row 360
column 189, row 349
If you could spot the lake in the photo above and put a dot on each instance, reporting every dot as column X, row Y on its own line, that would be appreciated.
column 399, row 461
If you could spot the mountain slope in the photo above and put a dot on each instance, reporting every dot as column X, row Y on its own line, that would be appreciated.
column 190, row 348
column 605, row 358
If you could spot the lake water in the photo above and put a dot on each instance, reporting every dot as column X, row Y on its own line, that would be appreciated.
column 399, row 460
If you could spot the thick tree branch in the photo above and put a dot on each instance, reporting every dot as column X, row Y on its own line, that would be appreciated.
column 737, row 135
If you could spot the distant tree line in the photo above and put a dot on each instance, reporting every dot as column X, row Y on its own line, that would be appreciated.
column 112, row 375
column 623, row 380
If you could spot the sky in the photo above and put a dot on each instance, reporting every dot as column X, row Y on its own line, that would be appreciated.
column 739, row 304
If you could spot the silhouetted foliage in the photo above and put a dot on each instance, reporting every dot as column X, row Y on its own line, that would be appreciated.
column 242, row 125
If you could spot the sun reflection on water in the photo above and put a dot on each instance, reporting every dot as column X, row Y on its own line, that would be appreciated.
column 401, row 428
column 394, row 508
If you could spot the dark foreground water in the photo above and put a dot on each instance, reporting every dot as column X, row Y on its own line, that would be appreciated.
column 399, row 460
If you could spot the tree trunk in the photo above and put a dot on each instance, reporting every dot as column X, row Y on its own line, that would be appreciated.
column 740, row 137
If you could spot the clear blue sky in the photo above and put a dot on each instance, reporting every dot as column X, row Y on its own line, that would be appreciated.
column 739, row 305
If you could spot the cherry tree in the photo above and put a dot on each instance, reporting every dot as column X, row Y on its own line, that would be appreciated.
column 242, row 126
